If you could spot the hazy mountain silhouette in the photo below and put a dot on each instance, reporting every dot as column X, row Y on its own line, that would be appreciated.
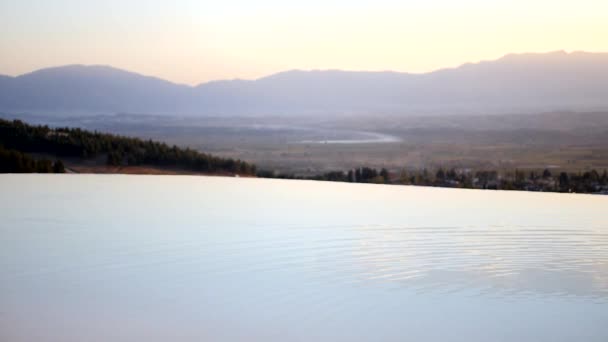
column 517, row 82
column 77, row 88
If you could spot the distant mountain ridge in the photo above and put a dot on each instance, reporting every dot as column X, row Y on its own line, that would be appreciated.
column 513, row 83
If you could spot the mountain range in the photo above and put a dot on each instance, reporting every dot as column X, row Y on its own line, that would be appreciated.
column 514, row 83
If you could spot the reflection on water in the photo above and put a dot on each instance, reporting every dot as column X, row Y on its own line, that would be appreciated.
column 160, row 258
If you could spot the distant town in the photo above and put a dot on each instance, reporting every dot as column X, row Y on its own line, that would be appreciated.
column 591, row 181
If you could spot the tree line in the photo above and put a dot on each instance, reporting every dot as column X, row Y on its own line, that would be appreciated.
column 13, row 161
column 591, row 181
column 359, row 175
column 117, row 150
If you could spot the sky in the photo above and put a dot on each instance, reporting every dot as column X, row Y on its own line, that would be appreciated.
column 194, row 41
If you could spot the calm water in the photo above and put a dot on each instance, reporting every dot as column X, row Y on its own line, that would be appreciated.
column 164, row 258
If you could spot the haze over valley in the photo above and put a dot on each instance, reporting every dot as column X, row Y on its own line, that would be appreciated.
column 530, row 111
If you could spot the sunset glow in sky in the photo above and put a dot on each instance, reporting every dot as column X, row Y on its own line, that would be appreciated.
column 193, row 41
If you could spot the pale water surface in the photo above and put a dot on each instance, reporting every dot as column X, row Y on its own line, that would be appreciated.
column 178, row 258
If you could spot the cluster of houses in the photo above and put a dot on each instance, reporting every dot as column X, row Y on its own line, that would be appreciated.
column 580, row 182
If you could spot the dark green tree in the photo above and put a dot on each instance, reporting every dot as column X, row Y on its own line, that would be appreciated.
column 385, row 176
column 564, row 181
column 58, row 167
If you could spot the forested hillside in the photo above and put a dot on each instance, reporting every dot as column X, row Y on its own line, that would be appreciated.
column 117, row 150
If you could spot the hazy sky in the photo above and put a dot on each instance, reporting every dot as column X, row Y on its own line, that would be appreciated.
column 192, row 41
